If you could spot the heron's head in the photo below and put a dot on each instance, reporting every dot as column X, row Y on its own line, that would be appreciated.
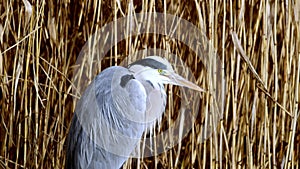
column 159, row 71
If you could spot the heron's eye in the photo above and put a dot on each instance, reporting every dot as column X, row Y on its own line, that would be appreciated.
column 160, row 71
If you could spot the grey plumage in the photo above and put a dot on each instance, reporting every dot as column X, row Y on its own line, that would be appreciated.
column 114, row 111
column 83, row 151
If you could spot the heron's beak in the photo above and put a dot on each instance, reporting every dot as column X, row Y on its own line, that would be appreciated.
column 180, row 81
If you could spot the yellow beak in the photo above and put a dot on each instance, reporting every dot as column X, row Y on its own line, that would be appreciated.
column 180, row 81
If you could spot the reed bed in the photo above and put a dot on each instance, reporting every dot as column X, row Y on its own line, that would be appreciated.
column 258, row 43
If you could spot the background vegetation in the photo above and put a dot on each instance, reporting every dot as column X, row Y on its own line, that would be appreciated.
column 40, row 41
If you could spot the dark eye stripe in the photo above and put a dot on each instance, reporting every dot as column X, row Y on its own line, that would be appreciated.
column 150, row 63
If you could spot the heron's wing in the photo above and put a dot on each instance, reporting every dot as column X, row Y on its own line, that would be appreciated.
column 108, row 121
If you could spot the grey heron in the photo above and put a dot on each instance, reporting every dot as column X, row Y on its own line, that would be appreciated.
column 116, row 109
